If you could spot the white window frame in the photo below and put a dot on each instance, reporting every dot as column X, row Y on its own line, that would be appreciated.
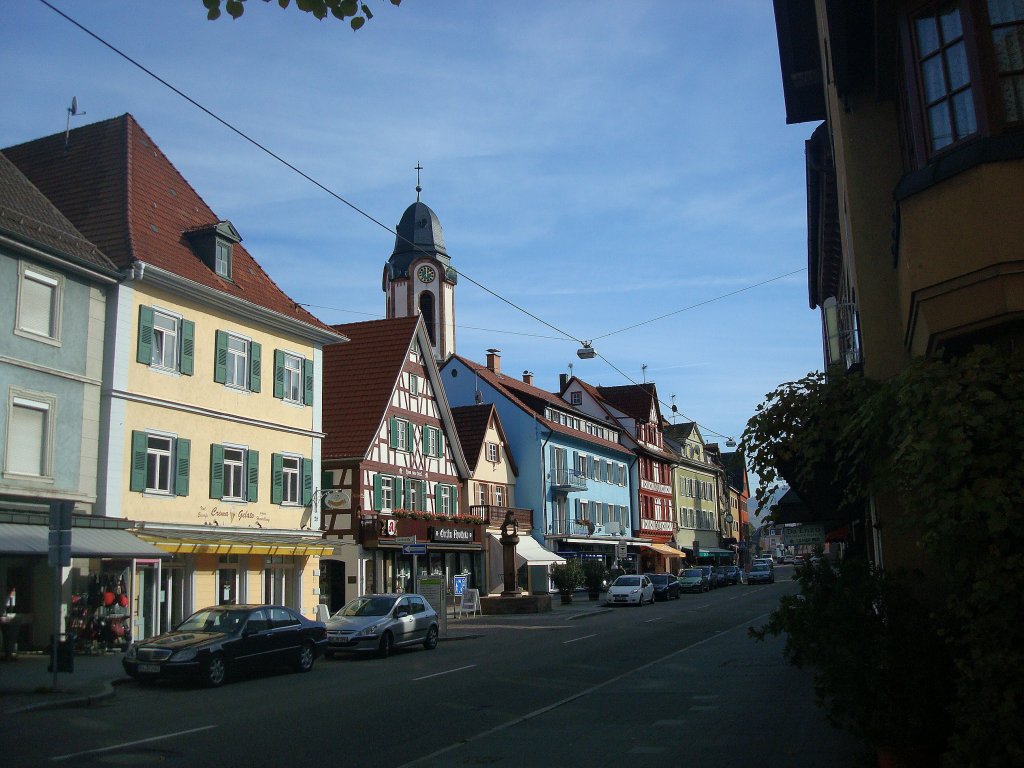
column 231, row 468
column 481, row 494
column 401, row 429
column 291, row 480
column 292, row 377
column 493, row 454
column 233, row 362
column 414, row 385
column 576, row 398
column 222, row 258
column 36, row 401
column 168, row 460
column 387, row 492
column 54, row 281
column 162, row 334
column 499, row 496
column 447, row 499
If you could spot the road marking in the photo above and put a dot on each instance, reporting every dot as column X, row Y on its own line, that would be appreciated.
column 648, row 621
column 566, row 642
column 447, row 672
column 59, row 758
column 569, row 699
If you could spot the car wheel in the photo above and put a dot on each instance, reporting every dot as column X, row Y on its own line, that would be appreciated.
column 430, row 641
column 387, row 642
column 307, row 656
column 215, row 670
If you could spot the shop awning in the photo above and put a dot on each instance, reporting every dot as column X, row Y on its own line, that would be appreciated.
column 26, row 539
column 221, row 542
column 714, row 551
column 664, row 549
column 530, row 552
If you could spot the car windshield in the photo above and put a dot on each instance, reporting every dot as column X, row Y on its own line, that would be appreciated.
column 692, row 572
column 224, row 620
column 759, row 567
column 368, row 606
column 659, row 578
column 626, row 581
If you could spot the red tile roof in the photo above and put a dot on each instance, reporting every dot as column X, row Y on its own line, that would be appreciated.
column 534, row 399
column 471, row 422
column 359, row 377
column 635, row 400
column 123, row 194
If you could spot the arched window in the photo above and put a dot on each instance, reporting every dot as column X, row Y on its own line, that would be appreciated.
column 427, row 310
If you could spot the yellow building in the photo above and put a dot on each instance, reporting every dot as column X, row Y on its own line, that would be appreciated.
column 210, row 426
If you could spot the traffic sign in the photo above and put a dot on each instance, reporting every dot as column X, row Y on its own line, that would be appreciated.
column 414, row 549
column 405, row 539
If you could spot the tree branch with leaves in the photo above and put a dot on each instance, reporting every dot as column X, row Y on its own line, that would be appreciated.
column 357, row 13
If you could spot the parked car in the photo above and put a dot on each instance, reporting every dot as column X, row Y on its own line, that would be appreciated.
column 709, row 574
column 630, row 590
column 799, row 559
column 380, row 623
column 216, row 642
column 718, row 576
column 665, row 586
column 732, row 574
column 693, row 580
column 760, row 573
column 767, row 560
column 787, row 559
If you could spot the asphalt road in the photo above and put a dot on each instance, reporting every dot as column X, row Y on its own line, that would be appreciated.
column 670, row 684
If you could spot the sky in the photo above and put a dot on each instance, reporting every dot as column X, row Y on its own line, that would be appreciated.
column 597, row 163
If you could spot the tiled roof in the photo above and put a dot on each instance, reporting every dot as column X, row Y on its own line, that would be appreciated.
column 28, row 216
column 359, row 377
column 679, row 432
column 635, row 400
column 471, row 422
column 533, row 400
column 123, row 194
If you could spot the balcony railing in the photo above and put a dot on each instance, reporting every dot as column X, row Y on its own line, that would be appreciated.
column 568, row 480
column 496, row 515
column 584, row 528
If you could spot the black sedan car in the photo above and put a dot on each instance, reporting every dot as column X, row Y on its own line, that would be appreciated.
column 215, row 642
column 666, row 586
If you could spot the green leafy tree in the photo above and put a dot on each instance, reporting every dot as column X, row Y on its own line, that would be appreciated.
column 357, row 13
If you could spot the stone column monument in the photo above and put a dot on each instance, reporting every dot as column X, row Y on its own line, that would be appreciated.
column 509, row 539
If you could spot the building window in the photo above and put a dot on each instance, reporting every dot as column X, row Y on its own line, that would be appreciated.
column 1007, row 20
column 293, row 378
column 39, row 302
column 430, row 441
column 291, row 480
column 575, row 398
column 160, row 463
column 492, row 453
column 414, row 384
column 237, row 362
column 222, row 259
column 29, row 446
column 400, row 434
column 482, row 497
column 944, row 75
column 446, row 500
column 234, row 473
column 387, row 493
column 414, row 494
column 499, row 496
column 166, row 341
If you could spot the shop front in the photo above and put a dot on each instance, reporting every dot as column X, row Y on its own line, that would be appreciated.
column 658, row 557
column 396, row 551
column 96, row 594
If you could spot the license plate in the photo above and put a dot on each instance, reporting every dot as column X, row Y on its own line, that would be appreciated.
column 149, row 668
column 620, row 599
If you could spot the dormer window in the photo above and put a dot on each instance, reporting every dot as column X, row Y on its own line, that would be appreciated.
column 214, row 245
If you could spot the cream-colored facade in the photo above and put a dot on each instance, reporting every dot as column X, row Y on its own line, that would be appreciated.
column 695, row 492
column 216, row 473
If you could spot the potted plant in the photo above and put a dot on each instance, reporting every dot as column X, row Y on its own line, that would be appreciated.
column 594, row 575
column 567, row 577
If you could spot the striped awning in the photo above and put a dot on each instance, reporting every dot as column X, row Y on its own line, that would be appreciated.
column 227, row 542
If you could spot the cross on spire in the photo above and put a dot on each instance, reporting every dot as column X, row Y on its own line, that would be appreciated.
column 419, row 189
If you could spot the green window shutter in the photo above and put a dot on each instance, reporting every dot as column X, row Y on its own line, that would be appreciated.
column 307, row 482
column 440, row 443
column 455, row 498
column 144, row 353
column 423, row 496
column 398, row 486
column 276, row 478
column 393, row 432
column 183, row 460
column 278, row 374
column 408, row 436
column 307, row 382
column 138, row 476
column 255, row 363
column 252, row 470
column 216, row 471
column 376, row 493
column 437, row 497
column 187, row 353
column 220, row 360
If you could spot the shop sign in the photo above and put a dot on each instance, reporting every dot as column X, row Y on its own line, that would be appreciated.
column 656, row 525
column 804, row 534
column 388, row 526
column 451, row 534
column 650, row 485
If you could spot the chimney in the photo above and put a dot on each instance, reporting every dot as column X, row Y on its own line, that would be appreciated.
column 494, row 360
column 528, row 377
column 563, row 379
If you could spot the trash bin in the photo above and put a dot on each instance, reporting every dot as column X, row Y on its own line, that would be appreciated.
column 65, row 655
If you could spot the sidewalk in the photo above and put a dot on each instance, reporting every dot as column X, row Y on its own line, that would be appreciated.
column 26, row 684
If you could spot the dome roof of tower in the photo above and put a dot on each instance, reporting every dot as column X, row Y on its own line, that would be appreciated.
column 419, row 234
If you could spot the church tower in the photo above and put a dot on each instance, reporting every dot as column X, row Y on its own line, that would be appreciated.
column 419, row 278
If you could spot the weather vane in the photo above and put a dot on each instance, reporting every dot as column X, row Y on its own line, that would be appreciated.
column 419, row 189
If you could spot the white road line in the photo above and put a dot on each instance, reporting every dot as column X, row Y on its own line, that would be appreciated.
column 448, row 672
column 566, row 642
column 59, row 758
column 568, row 699
column 648, row 621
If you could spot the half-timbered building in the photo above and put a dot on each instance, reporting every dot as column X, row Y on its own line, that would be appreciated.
column 394, row 470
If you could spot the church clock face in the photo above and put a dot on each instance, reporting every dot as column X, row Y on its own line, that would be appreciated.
column 425, row 274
